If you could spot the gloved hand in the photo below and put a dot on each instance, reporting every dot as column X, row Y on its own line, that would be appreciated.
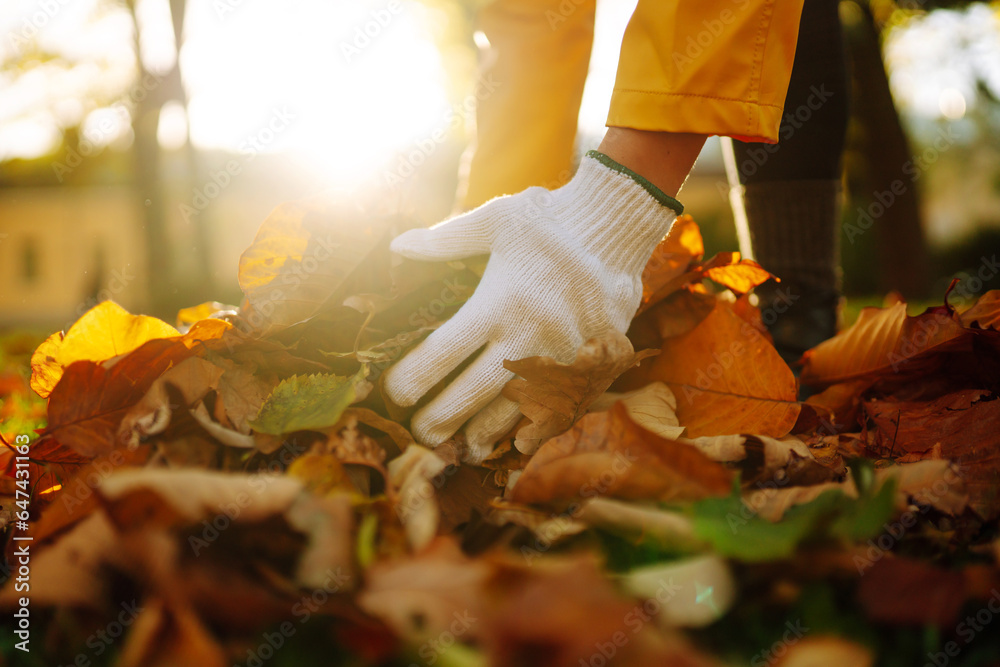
column 564, row 266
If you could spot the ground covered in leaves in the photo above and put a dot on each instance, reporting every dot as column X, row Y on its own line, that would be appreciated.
column 236, row 490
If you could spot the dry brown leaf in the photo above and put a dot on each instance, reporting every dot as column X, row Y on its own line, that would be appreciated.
column 985, row 313
column 554, row 395
column 680, row 312
column 741, row 276
column 412, row 475
column 164, row 637
column 607, row 454
column 884, row 342
column 671, row 258
column 930, row 482
column 652, row 407
column 962, row 425
column 902, row 591
column 727, row 379
column 421, row 595
column 191, row 379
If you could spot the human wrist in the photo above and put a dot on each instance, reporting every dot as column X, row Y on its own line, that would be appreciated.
column 614, row 216
column 656, row 193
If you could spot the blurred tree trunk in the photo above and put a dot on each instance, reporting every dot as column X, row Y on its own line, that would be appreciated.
column 901, row 258
column 202, row 274
column 167, row 289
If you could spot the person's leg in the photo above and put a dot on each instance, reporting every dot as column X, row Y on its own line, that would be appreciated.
column 793, row 189
column 536, row 66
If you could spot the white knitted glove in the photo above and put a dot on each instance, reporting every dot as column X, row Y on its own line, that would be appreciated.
column 564, row 266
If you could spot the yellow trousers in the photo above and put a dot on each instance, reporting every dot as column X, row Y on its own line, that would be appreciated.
column 686, row 66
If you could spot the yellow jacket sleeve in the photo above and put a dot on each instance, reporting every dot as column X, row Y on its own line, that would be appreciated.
column 706, row 67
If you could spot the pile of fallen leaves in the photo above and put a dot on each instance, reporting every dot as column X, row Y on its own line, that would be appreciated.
column 237, row 490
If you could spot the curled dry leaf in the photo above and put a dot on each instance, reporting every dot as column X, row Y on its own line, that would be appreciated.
column 191, row 379
column 884, row 342
column 607, row 454
column 554, row 395
column 728, row 379
column 412, row 475
column 652, row 407
column 985, row 313
column 669, row 529
column 741, row 276
column 671, row 259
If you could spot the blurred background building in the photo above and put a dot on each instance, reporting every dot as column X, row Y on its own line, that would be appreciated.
column 143, row 142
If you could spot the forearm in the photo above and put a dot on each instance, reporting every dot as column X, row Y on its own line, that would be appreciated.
column 663, row 158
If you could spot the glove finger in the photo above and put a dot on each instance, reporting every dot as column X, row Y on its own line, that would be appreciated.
column 433, row 358
column 462, row 236
column 471, row 391
column 483, row 430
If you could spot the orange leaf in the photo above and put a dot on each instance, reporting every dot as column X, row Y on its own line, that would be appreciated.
column 740, row 277
column 672, row 257
column 88, row 404
column 105, row 331
column 728, row 379
column 302, row 257
column 882, row 342
column 607, row 454
column 985, row 314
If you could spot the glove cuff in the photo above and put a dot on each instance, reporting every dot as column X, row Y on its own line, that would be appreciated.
column 614, row 213
column 655, row 192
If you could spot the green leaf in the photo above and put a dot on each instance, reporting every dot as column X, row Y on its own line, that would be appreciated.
column 734, row 530
column 307, row 402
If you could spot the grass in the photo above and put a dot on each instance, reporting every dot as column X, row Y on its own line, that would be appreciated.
column 21, row 409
